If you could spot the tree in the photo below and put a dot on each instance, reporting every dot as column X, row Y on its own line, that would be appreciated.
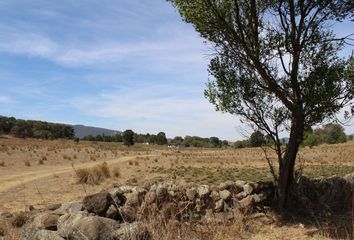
column 257, row 139
column 161, row 138
column 275, row 65
column 331, row 133
column 215, row 141
column 128, row 137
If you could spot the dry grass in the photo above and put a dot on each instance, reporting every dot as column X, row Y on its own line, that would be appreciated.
column 20, row 219
column 116, row 172
column 94, row 175
column 27, row 163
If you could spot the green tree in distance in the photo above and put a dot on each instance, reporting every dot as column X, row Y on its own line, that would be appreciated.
column 257, row 139
column 128, row 137
column 276, row 65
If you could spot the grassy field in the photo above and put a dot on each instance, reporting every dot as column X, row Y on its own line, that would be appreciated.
column 37, row 172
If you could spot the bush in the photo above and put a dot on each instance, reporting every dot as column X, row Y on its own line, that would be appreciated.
column 310, row 140
column 93, row 175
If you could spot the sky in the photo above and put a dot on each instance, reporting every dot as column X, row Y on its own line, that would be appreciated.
column 122, row 64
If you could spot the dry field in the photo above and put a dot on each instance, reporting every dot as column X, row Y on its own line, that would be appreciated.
column 37, row 173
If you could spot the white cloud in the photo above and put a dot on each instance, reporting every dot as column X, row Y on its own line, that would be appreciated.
column 148, row 109
column 5, row 99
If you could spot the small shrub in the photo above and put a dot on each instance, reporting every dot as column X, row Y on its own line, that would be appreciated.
column 20, row 219
column 27, row 163
column 44, row 158
column 93, row 175
column 2, row 164
column 116, row 172
column 40, row 162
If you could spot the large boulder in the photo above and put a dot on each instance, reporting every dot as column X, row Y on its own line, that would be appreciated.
column 47, row 221
column 81, row 226
column 97, row 203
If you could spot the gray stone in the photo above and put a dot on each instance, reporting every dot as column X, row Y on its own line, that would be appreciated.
column 129, row 231
column 97, row 203
column 150, row 197
column 47, row 235
column 203, row 191
column 127, row 214
column 53, row 207
column 47, row 221
column 82, row 227
column 71, row 207
column 225, row 194
column 247, row 189
column 219, row 205
column 161, row 194
column 191, row 193
column 215, row 195
column 67, row 222
column 240, row 183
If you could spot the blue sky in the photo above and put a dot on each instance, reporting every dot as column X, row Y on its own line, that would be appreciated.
column 116, row 64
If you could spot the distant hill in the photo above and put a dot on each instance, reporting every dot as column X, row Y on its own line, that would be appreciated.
column 82, row 131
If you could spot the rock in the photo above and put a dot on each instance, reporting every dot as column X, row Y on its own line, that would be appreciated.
column 215, row 195
column 53, row 207
column 97, row 203
column 127, row 214
column 47, row 235
column 191, row 193
column 67, row 222
column 125, row 189
column 119, row 198
column 229, row 185
column 46, row 221
column 132, row 231
column 349, row 178
column 219, row 205
column 150, row 197
column 247, row 189
column 203, row 191
column 161, row 194
column 240, row 184
column 135, row 198
column 71, row 207
column 225, row 194
column 246, row 204
column 7, row 215
column 82, row 227
column 112, row 213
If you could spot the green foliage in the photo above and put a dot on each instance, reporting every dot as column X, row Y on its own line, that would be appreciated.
column 310, row 140
column 241, row 144
column 257, row 139
column 34, row 129
column 177, row 141
column 331, row 133
column 128, row 137
column 215, row 142
column 161, row 138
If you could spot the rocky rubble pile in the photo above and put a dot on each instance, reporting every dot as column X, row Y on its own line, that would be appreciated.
column 119, row 211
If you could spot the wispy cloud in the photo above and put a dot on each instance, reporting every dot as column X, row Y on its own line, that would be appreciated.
column 5, row 99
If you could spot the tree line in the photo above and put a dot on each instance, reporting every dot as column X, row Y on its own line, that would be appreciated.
column 35, row 129
column 331, row 133
column 129, row 137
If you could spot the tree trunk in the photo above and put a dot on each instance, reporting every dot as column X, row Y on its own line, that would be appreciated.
column 287, row 164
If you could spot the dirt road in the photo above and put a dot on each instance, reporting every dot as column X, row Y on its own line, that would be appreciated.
column 13, row 183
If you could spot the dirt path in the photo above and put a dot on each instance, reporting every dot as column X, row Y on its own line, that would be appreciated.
column 13, row 179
